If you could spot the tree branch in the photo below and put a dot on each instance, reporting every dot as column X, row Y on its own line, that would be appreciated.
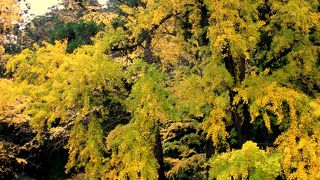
column 281, row 55
column 143, row 37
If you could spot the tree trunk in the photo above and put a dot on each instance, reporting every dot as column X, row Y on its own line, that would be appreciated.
column 237, row 119
column 148, row 49
column 238, row 112
column 209, row 150
column 159, row 152
column 242, row 70
column 204, row 22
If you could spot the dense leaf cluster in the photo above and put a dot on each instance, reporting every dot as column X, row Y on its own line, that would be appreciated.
column 77, row 34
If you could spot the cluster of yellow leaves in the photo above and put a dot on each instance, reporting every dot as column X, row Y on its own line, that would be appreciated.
column 248, row 162
column 298, row 15
column 208, row 97
column 162, row 21
column 300, row 144
column 234, row 24
column 269, row 99
column 69, row 89
column 291, row 26
column 300, row 149
column 133, row 145
column 98, row 17
column 12, row 102
column 144, row 18
column 168, row 48
column 61, row 83
column 148, row 99
column 9, row 14
column 298, row 118
column 86, row 147
column 132, row 155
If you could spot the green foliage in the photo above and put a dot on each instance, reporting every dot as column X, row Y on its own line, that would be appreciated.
column 248, row 163
column 76, row 33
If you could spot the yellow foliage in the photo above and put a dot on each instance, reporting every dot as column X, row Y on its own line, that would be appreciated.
column 264, row 64
column 12, row 102
column 299, row 143
column 21, row 161
column 236, row 24
column 59, row 83
column 247, row 163
column 98, row 17
column 9, row 14
column 132, row 155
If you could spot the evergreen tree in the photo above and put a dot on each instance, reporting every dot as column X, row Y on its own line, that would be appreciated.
column 77, row 34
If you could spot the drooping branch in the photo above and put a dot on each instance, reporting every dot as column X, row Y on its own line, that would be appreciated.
column 281, row 55
column 143, row 36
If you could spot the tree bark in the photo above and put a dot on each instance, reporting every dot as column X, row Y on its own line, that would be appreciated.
column 239, row 111
column 148, row 49
column 209, row 150
column 237, row 119
column 159, row 152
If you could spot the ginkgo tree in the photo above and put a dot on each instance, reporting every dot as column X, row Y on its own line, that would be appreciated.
column 192, row 89
column 140, row 148
column 66, row 97
column 271, row 49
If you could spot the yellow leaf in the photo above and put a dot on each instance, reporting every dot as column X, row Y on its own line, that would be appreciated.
column 21, row 161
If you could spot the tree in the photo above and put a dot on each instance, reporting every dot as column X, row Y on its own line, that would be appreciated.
column 76, row 110
column 77, row 34
column 257, row 46
column 177, row 90
column 150, row 108
column 36, row 29
column 154, row 24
